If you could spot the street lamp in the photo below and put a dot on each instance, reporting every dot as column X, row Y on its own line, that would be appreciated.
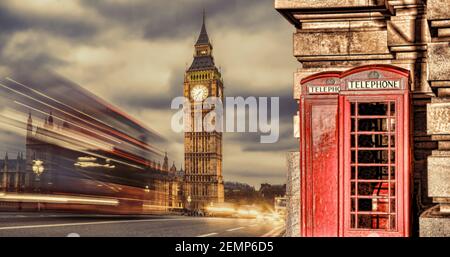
column 189, row 200
column 38, row 167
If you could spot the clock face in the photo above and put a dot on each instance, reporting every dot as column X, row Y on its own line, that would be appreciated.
column 199, row 93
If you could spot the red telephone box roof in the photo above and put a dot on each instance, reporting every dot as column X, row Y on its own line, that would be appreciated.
column 340, row 74
column 325, row 74
column 384, row 67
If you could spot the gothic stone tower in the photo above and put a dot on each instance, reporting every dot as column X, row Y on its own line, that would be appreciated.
column 203, row 150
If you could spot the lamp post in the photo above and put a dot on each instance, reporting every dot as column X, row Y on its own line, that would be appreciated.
column 189, row 200
column 38, row 169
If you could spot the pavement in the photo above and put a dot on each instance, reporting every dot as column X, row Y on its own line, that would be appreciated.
column 85, row 225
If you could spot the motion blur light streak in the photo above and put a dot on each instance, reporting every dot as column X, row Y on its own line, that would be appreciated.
column 99, row 133
column 57, row 199
column 72, row 139
column 93, row 164
column 89, row 151
column 63, row 136
column 59, row 102
column 52, row 107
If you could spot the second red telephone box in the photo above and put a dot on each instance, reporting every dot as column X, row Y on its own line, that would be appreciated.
column 355, row 153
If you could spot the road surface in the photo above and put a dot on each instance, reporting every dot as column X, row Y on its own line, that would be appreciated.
column 62, row 225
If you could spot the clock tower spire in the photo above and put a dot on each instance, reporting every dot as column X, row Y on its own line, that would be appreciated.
column 203, row 57
column 203, row 38
column 203, row 150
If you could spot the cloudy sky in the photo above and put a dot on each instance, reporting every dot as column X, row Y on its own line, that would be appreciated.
column 133, row 53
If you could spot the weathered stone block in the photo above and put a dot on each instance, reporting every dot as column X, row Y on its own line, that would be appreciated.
column 432, row 223
column 444, row 91
column 444, row 208
column 293, row 195
column 282, row 4
column 420, row 79
column 438, row 118
column 297, row 88
column 340, row 43
column 444, row 145
column 438, row 9
column 438, row 64
column 439, row 176
column 296, row 126
column 444, row 32
column 346, row 24
column 440, row 23
column 407, row 31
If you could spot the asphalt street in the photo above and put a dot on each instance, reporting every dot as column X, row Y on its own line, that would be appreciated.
column 62, row 225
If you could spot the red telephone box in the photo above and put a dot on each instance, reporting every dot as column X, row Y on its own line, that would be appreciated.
column 355, row 152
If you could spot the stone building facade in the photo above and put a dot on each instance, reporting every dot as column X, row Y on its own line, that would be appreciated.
column 336, row 35
column 13, row 175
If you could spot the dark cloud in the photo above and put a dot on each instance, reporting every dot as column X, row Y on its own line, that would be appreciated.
column 143, row 101
column 74, row 30
column 69, row 27
column 250, row 142
column 286, row 142
column 41, row 60
column 287, row 105
column 148, row 98
column 10, row 22
column 175, row 19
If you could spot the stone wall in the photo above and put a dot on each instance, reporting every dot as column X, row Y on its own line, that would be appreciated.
column 436, row 220
column 293, row 195
column 411, row 34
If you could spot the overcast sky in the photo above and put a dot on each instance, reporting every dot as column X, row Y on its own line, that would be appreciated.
column 133, row 53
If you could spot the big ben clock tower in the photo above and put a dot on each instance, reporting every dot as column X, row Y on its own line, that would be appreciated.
column 203, row 150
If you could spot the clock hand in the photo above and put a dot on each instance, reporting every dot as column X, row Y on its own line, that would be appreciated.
column 198, row 95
